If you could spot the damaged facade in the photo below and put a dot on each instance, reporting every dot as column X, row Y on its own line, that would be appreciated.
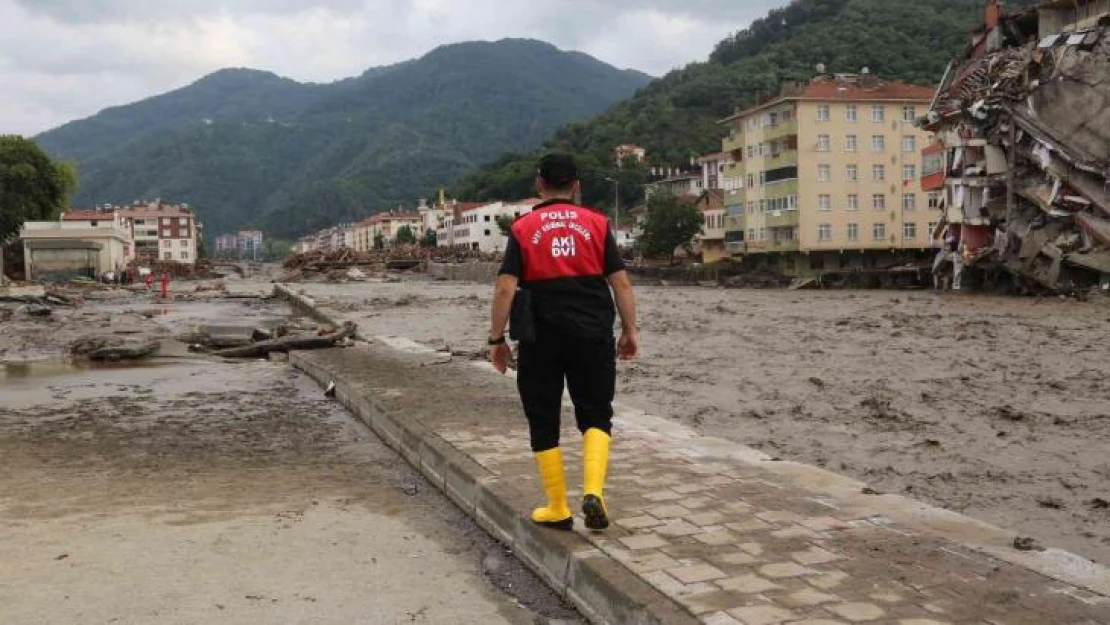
column 1022, row 150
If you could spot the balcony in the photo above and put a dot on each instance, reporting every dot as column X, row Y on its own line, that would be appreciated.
column 784, row 246
column 783, row 129
column 781, row 219
column 782, row 159
column 731, row 143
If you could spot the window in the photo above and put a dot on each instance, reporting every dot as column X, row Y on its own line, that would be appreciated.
column 850, row 113
column 787, row 115
column 934, row 199
column 762, row 234
column 909, row 172
column 166, row 233
column 165, row 221
column 167, row 256
column 852, row 173
column 762, row 178
column 878, row 143
column 909, row 231
column 486, row 218
column 763, row 206
column 932, row 228
column 909, row 113
column 822, row 112
column 824, row 232
column 878, row 113
column 823, row 173
column 909, row 144
column 909, row 202
column 823, row 143
column 751, row 151
column 487, row 233
column 878, row 202
column 824, row 202
column 751, row 207
column 751, row 180
column 878, row 173
column 853, row 202
column 853, row 231
column 183, row 221
column 878, row 231
column 751, row 234
column 851, row 143
column 184, row 255
column 793, row 204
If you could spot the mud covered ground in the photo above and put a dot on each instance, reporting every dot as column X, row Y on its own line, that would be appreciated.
column 187, row 490
column 995, row 407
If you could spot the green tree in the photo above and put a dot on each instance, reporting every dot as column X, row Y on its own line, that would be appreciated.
column 505, row 224
column 32, row 187
column 671, row 223
column 379, row 241
column 430, row 239
column 405, row 236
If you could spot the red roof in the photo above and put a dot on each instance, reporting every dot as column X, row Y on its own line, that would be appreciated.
column 832, row 89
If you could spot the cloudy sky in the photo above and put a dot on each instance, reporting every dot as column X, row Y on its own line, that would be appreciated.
column 66, row 59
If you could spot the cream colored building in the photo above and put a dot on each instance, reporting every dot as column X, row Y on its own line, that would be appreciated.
column 825, row 176
column 387, row 225
column 70, row 248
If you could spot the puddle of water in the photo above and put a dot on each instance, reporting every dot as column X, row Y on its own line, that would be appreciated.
column 24, row 371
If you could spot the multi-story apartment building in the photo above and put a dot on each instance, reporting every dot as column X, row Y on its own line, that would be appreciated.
column 226, row 246
column 475, row 227
column 387, row 225
column 163, row 232
column 249, row 243
column 825, row 175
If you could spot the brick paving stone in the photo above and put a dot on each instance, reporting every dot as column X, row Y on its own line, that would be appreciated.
column 694, row 503
column 857, row 612
column 719, row 618
column 762, row 615
column 707, row 518
column 748, row 526
column 735, row 559
column 696, row 573
column 662, row 495
column 670, row 511
column 671, row 586
column 717, row 538
column 749, row 583
column 646, row 563
column 779, row 516
column 687, row 489
column 815, row 555
column 677, row 527
column 756, row 549
column 712, row 601
column 823, row 524
column 639, row 522
column 643, row 541
column 779, row 570
column 805, row 598
column 921, row 621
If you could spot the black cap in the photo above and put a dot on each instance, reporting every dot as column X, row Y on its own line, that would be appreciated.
column 558, row 170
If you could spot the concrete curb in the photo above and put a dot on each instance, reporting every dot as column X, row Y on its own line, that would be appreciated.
column 304, row 305
column 602, row 589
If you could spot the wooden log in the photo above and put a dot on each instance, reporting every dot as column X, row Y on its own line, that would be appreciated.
column 290, row 343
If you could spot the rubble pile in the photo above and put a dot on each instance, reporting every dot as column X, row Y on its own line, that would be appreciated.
column 345, row 264
column 1022, row 120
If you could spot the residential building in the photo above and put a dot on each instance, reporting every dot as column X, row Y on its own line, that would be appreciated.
column 710, row 243
column 386, row 225
column 249, row 243
column 621, row 153
column 475, row 227
column 163, row 232
column 825, row 175
column 712, row 172
column 677, row 183
column 625, row 237
column 86, row 244
column 226, row 246
column 1056, row 16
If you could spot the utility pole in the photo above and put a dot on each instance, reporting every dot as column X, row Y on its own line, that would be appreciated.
column 616, row 205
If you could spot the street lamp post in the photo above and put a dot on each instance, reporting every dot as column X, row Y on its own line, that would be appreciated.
column 616, row 205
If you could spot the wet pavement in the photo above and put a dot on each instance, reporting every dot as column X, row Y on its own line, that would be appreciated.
column 185, row 489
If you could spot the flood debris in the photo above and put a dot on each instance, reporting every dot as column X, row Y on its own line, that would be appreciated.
column 114, row 348
column 1020, row 166
column 292, row 342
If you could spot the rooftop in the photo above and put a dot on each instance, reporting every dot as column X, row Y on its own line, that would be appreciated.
column 845, row 88
column 86, row 215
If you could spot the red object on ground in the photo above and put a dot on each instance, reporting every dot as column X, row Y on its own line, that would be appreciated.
column 165, row 285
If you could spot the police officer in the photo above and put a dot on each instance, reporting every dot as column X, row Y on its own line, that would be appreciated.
column 565, row 262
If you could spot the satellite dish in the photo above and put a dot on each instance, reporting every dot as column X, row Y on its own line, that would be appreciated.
column 821, row 68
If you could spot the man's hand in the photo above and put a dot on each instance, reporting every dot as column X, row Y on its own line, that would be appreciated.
column 628, row 345
column 501, row 355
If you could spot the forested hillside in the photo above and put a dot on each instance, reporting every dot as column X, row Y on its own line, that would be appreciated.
column 251, row 148
column 675, row 116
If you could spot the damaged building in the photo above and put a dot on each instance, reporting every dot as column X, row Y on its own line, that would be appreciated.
column 1022, row 152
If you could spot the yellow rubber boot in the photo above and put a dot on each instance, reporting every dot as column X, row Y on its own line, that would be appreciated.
column 556, row 514
column 595, row 462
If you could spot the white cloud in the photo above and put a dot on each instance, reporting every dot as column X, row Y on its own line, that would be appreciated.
column 66, row 59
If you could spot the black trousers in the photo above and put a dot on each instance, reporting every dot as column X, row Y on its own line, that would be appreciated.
column 589, row 367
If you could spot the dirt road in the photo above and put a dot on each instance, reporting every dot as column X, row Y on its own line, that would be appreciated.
column 190, row 491
column 997, row 408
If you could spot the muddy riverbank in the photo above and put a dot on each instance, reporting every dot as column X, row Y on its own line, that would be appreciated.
column 187, row 489
column 994, row 407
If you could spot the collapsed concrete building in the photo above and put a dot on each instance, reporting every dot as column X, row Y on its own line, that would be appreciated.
column 1022, row 152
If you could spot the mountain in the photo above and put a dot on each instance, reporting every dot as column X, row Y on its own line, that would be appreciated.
column 675, row 116
column 251, row 148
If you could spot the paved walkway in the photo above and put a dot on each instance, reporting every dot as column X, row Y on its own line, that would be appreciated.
column 725, row 534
